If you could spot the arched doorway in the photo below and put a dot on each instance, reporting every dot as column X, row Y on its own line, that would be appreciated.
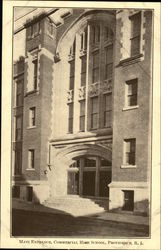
column 89, row 176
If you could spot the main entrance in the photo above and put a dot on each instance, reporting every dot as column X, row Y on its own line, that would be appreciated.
column 89, row 176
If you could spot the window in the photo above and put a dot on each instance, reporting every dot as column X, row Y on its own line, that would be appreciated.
column 82, row 115
column 18, row 162
column 72, row 69
column 131, row 90
column 108, row 34
column 70, row 119
column 16, row 191
column 130, row 148
column 83, row 70
column 90, row 162
column 107, row 110
column 18, row 128
column 94, row 112
column 135, row 33
column 108, row 62
column 19, row 93
column 84, row 40
column 32, row 117
column 31, row 159
column 96, row 34
column 33, row 30
column 35, row 64
column 72, row 48
column 95, row 68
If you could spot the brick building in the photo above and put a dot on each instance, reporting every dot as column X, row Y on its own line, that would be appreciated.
column 85, row 129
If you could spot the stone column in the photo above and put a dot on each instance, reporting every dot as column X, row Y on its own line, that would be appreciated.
column 97, row 176
column 81, row 164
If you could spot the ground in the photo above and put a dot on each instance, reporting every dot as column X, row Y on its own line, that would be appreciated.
column 29, row 223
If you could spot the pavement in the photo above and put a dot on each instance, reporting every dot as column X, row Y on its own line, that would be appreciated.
column 106, row 216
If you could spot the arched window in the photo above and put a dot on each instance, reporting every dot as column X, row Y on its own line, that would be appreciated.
column 90, row 73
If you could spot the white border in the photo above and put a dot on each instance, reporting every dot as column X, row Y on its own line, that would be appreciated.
column 6, row 241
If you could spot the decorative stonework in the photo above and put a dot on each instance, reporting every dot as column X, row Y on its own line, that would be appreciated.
column 70, row 95
column 94, row 89
column 82, row 93
column 57, row 57
column 83, row 52
column 107, row 86
column 71, row 57
column 106, row 144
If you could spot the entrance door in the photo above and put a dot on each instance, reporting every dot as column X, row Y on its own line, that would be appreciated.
column 89, row 183
column 73, row 182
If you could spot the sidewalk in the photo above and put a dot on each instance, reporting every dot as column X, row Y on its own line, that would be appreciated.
column 108, row 216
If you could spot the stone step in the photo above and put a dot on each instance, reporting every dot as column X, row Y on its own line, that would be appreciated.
column 76, row 206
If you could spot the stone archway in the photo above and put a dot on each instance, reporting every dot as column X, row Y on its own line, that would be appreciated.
column 64, row 158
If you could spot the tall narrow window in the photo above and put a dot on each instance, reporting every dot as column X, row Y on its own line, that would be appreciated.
column 108, row 34
column 35, row 64
column 70, row 118
column 135, row 33
column 32, row 117
column 72, row 69
column 18, row 128
column 108, row 62
column 82, row 115
column 129, row 149
column 94, row 112
column 19, row 94
column 96, row 34
column 18, row 162
column 84, row 39
column 95, row 68
column 31, row 159
column 83, row 70
column 131, row 90
column 107, row 110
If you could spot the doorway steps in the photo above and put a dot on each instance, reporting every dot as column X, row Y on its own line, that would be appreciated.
column 74, row 205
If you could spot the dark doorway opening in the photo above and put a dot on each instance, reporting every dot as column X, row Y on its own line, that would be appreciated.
column 128, row 200
column 89, row 183
column 29, row 193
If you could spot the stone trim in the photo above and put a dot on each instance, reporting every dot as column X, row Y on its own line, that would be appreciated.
column 127, row 185
column 29, row 182
column 80, row 140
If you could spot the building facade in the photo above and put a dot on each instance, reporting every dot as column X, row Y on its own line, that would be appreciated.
column 86, row 108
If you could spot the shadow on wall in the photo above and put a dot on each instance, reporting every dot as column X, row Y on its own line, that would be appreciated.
column 141, row 208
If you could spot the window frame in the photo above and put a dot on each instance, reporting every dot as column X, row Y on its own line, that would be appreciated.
column 95, row 68
column 94, row 113
column 131, row 154
column 108, row 63
column 35, row 73
column 82, row 115
column 135, row 36
column 134, row 93
column 32, row 117
column 70, row 117
column 31, row 159
column 107, row 110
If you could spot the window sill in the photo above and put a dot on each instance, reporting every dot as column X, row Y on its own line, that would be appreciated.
column 31, row 92
column 130, row 107
column 130, row 60
column 128, row 166
column 31, row 127
column 30, row 169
